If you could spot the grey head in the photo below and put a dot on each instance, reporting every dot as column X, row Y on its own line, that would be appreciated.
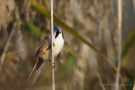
column 57, row 30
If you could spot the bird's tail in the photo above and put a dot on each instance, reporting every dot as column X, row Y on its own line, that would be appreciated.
column 34, row 72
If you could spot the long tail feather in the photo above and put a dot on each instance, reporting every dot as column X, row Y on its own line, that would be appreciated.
column 34, row 72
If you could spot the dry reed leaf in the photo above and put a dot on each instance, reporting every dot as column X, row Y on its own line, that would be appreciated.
column 9, row 67
column 8, row 72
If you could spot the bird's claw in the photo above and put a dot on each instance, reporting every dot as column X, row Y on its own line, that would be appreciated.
column 52, row 64
column 53, row 44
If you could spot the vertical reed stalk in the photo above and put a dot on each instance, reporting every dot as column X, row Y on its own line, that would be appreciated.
column 119, row 5
column 53, row 72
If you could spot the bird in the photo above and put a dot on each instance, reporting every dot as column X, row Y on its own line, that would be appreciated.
column 44, row 51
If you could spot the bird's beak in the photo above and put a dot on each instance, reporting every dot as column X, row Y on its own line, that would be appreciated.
column 60, row 32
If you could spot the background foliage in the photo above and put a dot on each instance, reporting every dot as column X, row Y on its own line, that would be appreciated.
column 90, row 31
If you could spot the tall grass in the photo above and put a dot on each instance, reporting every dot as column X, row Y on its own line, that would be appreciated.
column 89, row 27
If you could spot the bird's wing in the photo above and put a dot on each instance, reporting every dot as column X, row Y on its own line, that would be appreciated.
column 39, row 48
column 44, row 46
column 46, row 43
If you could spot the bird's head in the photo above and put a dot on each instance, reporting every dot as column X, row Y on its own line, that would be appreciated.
column 57, row 30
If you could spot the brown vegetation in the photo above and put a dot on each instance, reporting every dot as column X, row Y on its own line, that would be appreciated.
column 78, row 67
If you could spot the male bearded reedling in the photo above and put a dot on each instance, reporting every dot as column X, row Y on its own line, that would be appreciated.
column 43, row 52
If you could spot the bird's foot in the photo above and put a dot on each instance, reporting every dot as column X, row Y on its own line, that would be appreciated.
column 52, row 64
column 53, row 44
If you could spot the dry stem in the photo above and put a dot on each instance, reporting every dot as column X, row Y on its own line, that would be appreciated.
column 119, row 41
column 53, row 72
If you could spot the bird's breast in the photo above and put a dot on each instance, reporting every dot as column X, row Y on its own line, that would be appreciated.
column 58, row 45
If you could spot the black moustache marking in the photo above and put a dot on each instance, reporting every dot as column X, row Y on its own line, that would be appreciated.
column 57, row 33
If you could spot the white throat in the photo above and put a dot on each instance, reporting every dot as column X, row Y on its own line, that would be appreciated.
column 58, row 42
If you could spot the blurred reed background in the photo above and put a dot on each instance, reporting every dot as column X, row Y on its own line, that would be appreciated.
column 24, row 23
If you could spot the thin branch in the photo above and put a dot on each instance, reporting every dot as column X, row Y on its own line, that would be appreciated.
column 53, row 72
column 7, row 46
column 100, row 80
column 119, row 5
